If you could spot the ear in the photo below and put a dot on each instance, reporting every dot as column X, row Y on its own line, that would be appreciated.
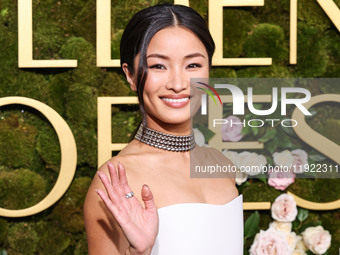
column 130, row 77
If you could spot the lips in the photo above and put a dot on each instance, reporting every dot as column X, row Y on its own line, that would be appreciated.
column 176, row 101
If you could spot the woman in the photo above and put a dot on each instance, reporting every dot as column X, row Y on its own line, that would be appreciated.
column 161, row 49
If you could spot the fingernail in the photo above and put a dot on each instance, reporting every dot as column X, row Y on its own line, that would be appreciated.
column 97, row 191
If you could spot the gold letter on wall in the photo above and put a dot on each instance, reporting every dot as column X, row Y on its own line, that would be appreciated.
column 332, row 11
column 216, row 30
column 25, row 41
column 293, row 32
column 68, row 156
column 105, row 145
column 104, row 35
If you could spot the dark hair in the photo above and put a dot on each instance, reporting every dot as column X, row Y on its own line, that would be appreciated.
column 145, row 24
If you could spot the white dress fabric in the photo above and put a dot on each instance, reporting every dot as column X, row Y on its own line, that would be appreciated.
column 200, row 229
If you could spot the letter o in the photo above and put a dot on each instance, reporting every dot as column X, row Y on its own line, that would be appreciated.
column 68, row 162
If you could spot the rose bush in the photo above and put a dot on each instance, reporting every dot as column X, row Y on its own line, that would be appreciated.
column 230, row 132
column 284, row 208
column 317, row 239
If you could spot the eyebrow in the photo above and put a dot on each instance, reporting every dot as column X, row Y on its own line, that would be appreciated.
column 193, row 55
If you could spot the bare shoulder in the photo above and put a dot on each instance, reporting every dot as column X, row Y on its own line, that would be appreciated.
column 213, row 157
column 104, row 235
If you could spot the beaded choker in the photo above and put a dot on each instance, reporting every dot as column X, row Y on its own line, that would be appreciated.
column 165, row 141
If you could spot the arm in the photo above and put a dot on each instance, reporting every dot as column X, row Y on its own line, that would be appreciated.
column 104, row 236
column 115, row 224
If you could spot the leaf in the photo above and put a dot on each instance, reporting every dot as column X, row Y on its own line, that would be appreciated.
column 252, row 224
column 245, row 130
column 245, row 250
column 302, row 214
column 3, row 13
column 271, row 145
column 289, row 131
column 317, row 157
column 3, row 252
column 295, row 224
column 255, row 130
column 207, row 133
column 270, row 134
column 283, row 140
column 309, row 224
column 269, row 160
column 263, row 179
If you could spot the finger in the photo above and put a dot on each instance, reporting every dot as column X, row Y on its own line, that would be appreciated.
column 113, row 173
column 122, row 174
column 148, row 198
column 123, row 179
column 113, row 195
column 110, row 206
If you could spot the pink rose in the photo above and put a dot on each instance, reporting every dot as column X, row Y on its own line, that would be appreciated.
column 284, row 208
column 269, row 242
column 317, row 239
column 300, row 159
column 231, row 131
column 280, row 180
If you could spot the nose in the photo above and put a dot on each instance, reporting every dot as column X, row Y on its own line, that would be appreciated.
column 178, row 80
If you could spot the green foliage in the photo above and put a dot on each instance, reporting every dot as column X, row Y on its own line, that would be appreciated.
column 273, row 71
column 237, row 25
column 312, row 58
column 69, row 210
column 329, row 129
column 219, row 72
column 122, row 11
column 251, row 225
column 48, row 148
column 86, row 140
column 311, row 13
column 87, row 73
column 115, row 44
column 23, row 238
column 20, row 189
column 114, row 84
column 267, row 40
column 259, row 192
column 52, row 238
column 81, row 246
column 81, row 104
column 3, row 231
column 47, row 40
column 16, row 142
column 124, row 125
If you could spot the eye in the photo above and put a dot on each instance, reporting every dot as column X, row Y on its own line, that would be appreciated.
column 194, row 65
column 157, row 66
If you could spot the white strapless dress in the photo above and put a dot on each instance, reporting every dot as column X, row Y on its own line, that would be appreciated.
column 200, row 229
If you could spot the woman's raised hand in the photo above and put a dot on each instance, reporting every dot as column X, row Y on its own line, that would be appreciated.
column 139, row 224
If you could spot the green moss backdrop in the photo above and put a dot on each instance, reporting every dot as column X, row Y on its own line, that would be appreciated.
column 29, row 148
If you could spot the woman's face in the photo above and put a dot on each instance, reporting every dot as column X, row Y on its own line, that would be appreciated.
column 174, row 55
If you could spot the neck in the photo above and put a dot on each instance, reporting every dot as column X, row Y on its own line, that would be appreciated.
column 184, row 128
column 165, row 140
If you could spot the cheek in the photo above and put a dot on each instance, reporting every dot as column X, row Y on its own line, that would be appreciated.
column 153, row 83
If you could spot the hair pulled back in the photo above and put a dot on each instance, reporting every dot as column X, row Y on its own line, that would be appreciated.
column 145, row 24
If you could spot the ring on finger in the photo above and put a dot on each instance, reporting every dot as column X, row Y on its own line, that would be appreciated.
column 129, row 195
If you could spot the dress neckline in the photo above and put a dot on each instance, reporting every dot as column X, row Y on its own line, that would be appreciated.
column 201, row 204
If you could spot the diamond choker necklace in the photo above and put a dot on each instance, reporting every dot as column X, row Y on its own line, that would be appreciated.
column 165, row 141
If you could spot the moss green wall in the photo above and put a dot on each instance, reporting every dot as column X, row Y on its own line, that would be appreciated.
column 29, row 148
